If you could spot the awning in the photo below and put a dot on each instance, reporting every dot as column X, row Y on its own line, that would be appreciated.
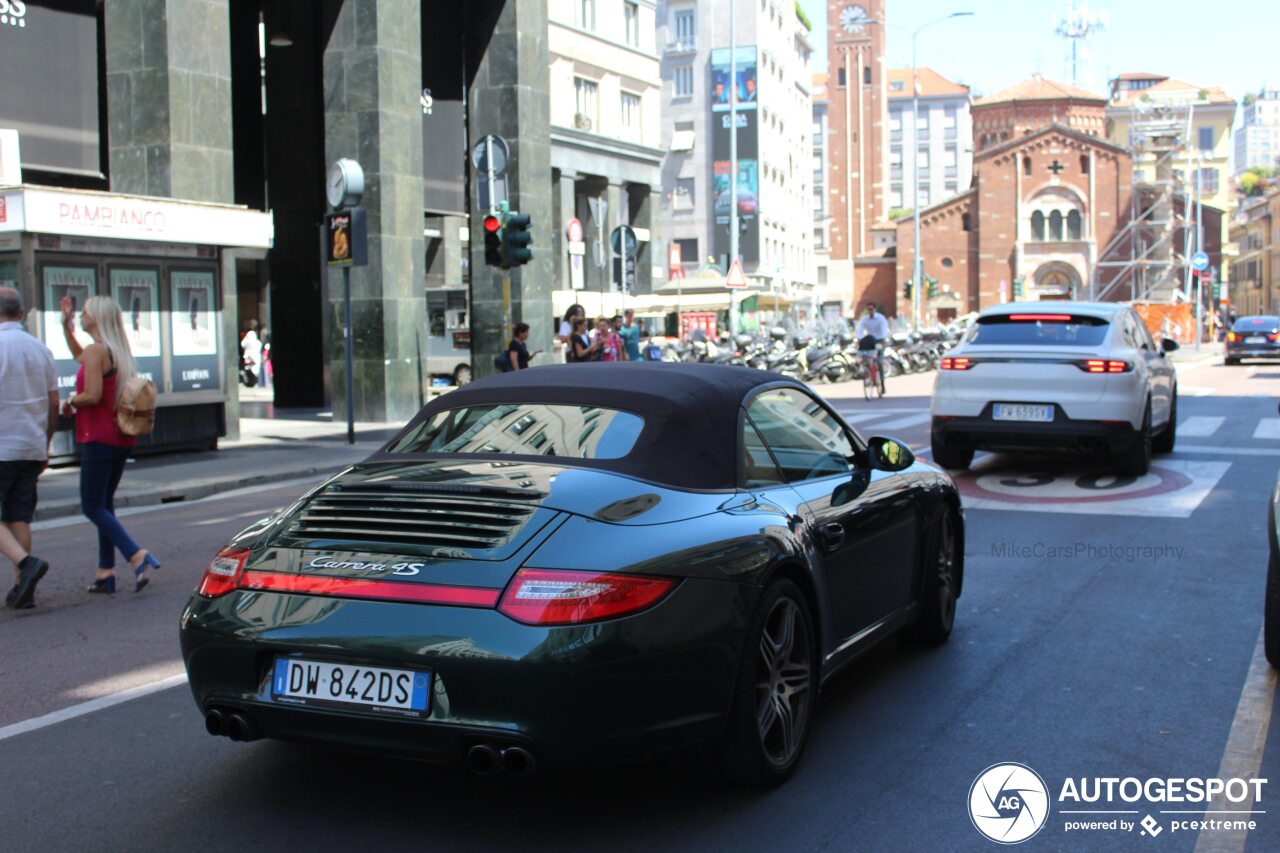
column 112, row 216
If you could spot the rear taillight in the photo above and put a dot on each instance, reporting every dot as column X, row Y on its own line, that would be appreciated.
column 552, row 597
column 1273, row 337
column 1232, row 337
column 223, row 573
column 1102, row 365
column 950, row 363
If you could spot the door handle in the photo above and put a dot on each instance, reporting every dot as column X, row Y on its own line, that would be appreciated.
column 833, row 534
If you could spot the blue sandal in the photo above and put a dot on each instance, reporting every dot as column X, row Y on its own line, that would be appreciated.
column 147, row 561
column 106, row 586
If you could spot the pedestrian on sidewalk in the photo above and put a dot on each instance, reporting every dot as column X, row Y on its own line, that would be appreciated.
column 106, row 365
column 581, row 347
column 29, row 413
column 518, row 350
column 630, row 334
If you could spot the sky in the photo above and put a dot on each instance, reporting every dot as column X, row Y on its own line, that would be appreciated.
column 1007, row 41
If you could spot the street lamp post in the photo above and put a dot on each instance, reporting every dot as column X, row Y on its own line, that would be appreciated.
column 917, row 263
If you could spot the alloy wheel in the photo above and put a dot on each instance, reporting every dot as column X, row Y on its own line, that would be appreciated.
column 944, row 568
column 784, row 686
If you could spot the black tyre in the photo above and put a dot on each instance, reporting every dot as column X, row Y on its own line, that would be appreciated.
column 1163, row 443
column 1271, row 612
column 776, row 691
column 940, row 584
column 1136, row 461
column 951, row 458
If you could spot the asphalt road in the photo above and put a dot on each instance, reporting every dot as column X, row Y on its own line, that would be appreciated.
column 1085, row 659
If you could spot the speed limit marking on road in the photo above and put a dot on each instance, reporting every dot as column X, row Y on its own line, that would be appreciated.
column 1171, row 489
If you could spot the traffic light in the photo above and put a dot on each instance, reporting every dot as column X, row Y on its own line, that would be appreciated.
column 906, row 289
column 1017, row 288
column 493, row 240
column 516, row 239
column 933, row 286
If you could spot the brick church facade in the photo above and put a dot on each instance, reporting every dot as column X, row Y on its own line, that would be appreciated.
column 1049, row 194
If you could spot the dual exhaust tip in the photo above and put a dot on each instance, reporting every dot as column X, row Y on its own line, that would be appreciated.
column 485, row 759
column 225, row 722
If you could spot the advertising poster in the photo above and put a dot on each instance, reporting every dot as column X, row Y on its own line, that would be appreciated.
column 138, row 294
column 748, row 186
column 76, row 284
column 194, row 330
column 746, row 74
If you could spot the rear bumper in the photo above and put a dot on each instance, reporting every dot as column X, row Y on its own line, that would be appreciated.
column 606, row 693
column 1253, row 351
column 984, row 432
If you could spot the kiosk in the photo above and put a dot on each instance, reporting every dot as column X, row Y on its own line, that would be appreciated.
column 163, row 261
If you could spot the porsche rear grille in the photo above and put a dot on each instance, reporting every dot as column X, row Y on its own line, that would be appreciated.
column 409, row 517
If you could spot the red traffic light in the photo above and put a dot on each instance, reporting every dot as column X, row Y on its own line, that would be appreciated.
column 492, row 223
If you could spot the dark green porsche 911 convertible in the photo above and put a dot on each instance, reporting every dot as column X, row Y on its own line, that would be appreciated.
column 576, row 565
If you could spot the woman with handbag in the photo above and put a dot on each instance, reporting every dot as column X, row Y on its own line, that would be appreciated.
column 106, row 366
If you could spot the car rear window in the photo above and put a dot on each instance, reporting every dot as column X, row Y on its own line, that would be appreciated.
column 526, row 429
column 1245, row 324
column 1040, row 328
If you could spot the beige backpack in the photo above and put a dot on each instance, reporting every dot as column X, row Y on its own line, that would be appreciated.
column 136, row 409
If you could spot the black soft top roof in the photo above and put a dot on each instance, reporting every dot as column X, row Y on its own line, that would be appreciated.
column 690, row 411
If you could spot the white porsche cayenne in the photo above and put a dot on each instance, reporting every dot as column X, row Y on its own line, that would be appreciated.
column 1076, row 376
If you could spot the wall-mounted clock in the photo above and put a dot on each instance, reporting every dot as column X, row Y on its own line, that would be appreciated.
column 853, row 18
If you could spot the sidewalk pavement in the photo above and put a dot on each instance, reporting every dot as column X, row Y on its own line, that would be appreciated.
column 286, row 445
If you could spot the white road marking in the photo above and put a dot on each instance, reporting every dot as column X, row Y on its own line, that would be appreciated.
column 1231, row 451
column 1196, row 390
column 903, row 423
column 1199, row 427
column 70, row 520
column 985, row 490
column 70, row 713
column 1242, row 758
column 1268, row 428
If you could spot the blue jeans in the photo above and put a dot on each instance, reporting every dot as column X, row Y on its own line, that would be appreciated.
column 101, row 466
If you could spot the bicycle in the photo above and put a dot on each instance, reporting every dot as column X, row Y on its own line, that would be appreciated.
column 872, row 375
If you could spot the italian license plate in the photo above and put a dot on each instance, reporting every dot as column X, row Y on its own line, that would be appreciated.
column 371, row 688
column 1256, row 339
column 1022, row 412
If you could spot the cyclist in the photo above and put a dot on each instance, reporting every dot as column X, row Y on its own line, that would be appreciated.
column 872, row 324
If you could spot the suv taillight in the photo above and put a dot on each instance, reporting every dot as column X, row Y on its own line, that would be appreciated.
column 553, row 597
column 223, row 573
column 1232, row 337
column 1101, row 365
column 950, row 363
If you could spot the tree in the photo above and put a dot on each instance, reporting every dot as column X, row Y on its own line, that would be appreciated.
column 1256, row 180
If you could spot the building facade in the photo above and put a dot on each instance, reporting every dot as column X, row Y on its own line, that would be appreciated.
column 1032, row 104
column 606, row 147
column 821, row 184
column 1255, row 276
column 859, row 96
column 1257, row 139
column 941, row 144
column 774, row 142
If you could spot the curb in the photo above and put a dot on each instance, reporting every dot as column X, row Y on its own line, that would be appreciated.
column 188, row 491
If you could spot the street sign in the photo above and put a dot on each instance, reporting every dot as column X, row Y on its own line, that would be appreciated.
column 480, row 155
column 736, row 277
column 620, row 234
column 573, row 230
column 1200, row 261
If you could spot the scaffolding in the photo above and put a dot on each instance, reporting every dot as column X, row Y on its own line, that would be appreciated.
column 1149, row 257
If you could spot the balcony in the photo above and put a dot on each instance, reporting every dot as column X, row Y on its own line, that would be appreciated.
column 676, row 47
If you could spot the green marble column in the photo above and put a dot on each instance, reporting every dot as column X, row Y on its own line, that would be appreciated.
column 372, row 86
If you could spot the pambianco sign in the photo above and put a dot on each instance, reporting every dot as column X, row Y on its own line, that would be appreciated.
column 104, row 215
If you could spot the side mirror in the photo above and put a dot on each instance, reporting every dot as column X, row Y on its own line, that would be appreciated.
column 889, row 454
column 1169, row 345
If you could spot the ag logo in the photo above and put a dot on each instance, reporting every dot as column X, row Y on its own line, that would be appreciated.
column 1008, row 803
column 13, row 13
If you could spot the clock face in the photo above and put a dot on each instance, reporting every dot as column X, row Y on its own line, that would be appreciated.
column 853, row 19
column 336, row 186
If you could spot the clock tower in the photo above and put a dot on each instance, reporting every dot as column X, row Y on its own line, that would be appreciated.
column 858, row 122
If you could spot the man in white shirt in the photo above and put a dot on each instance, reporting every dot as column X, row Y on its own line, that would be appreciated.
column 29, row 412
column 873, row 324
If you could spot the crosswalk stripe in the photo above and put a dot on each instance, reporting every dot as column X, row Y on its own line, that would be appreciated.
column 1268, row 428
column 903, row 423
column 1196, row 390
column 1199, row 427
column 864, row 416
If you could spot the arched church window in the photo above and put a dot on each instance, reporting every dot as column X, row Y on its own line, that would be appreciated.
column 1037, row 225
column 1074, row 225
column 1055, row 225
